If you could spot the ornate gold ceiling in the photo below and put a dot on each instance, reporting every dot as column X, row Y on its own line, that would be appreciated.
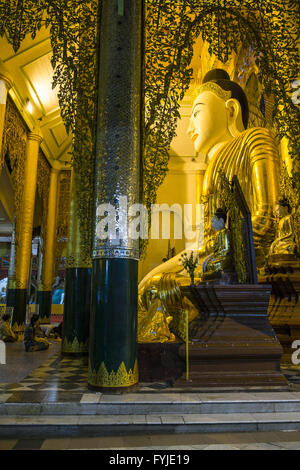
column 32, row 93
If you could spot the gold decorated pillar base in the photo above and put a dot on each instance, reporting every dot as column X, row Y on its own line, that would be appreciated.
column 115, row 379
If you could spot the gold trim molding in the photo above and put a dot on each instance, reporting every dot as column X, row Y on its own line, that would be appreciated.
column 75, row 346
column 18, row 328
column 121, row 378
column 214, row 88
column 5, row 76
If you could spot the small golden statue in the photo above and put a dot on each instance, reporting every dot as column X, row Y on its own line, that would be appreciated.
column 153, row 321
column 285, row 243
column 218, row 128
column 220, row 260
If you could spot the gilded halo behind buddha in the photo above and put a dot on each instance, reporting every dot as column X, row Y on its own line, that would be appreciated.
column 218, row 129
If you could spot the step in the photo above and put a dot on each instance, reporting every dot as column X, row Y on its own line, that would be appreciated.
column 47, row 426
column 158, row 403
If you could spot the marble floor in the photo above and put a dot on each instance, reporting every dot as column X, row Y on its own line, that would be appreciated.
column 182, row 442
column 20, row 364
column 46, row 376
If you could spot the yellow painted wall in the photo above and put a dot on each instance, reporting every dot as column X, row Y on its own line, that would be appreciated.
column 179, row 187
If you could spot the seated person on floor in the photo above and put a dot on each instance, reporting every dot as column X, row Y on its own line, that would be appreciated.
column 31, row 341
column 6, row 333
column 56, row 332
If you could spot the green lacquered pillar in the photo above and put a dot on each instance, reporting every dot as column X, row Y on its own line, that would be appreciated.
column 76, row 311
column 77, row 298
column 44, row 301
column 113, row 325
column 113, row 352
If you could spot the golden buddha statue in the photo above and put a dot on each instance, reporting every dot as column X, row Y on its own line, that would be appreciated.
column 285, row 243
column 218, row 128
column 219, row 260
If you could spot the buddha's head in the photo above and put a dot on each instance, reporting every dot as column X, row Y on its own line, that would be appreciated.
column 220, row 111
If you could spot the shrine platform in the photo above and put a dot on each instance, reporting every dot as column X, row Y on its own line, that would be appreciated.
column 52, row 399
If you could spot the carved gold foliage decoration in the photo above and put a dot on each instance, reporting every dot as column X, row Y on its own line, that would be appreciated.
column 18, row 328
column 120, row 378
column 45, row 320
column 63, row 215
column 43, row 185
column 73, row 33
column 269, row 27
column 19, row 18
column 75, row 346
column 290, row 189
column 14, row 148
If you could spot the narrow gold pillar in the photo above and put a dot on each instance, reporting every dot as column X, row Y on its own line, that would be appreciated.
column 24, row 226
column 49, row 249
column 5, row 85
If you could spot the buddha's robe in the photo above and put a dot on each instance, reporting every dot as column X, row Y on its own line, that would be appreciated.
column 253, row 157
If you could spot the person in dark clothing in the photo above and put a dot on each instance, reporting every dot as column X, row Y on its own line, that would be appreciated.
column 57, row 331
column 31, row 341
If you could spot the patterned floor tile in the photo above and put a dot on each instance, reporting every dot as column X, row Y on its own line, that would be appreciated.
column 66, row 379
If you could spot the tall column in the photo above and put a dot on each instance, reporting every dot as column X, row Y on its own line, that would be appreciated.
column 5, row 85
column 44, row 296
column 11, row 283
column 113, row 324
column 77, row 288
column 24, row 226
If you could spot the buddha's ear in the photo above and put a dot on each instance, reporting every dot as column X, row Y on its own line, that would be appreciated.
column 235, row 119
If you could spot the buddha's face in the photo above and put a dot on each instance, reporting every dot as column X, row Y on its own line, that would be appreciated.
column 209, row 122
